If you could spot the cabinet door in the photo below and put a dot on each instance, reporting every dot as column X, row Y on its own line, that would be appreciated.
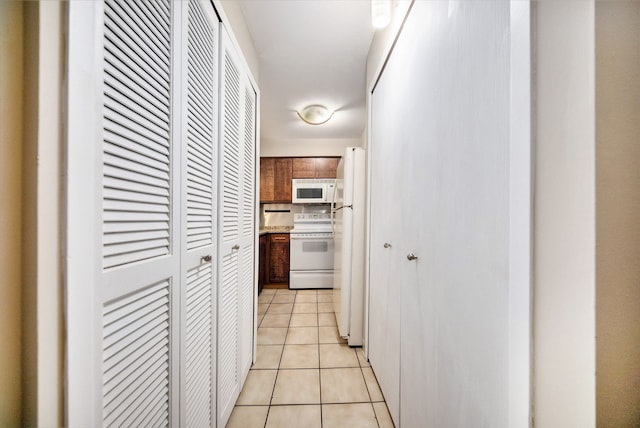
column 304, row 167
column 326, row 167
column 267, row 179
column 279, row 258
column 262, row 267
column 283, row 176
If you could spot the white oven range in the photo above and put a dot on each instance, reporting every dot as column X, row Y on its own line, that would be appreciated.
column 311, row 251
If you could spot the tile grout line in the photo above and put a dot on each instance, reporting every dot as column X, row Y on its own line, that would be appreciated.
column 273, row 390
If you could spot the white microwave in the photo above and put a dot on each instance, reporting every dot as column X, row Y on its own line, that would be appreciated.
column 312, row 190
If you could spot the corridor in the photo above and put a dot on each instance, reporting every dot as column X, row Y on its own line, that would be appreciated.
column 305, row 375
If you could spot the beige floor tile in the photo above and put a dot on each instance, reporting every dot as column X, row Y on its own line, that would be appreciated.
column 280, row 308
column 268, row 357
column 307, row 292
column 337, row 355
column 306, row 298
column 285, row 291
column 275, row 320
column 325, row 291
column 284, row 298
column 300, row 357
column 326, row 319
column 305, row 308
column 260, row 318
column 268, row 291
column 302, row 336
column 248, row 417
column 262, row 308
column 359, row 415
column 343, row 386
column 325, row 298
column 383, row 416
column 304, row 320
column 325, row 307
column 265, row 298
column 372, row 384
column 307, row 416
column 329, row 335
column 299, row 386
column 361, row 358
column 271, row 336
column 257, row 388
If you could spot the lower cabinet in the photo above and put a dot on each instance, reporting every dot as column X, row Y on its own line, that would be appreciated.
column 262, row 266
column 278, row 261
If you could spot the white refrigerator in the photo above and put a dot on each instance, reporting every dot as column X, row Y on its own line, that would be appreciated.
column 348, row 212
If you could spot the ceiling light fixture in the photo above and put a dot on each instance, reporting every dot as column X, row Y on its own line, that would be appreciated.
column 315, row 114
column 380, row 13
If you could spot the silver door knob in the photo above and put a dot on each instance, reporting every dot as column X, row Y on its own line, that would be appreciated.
column 205, row 259
column 235, row 247
column 387, row 245
column 411, row 256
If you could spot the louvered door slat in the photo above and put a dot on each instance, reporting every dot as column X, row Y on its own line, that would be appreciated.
column 149, row 21
column 134, row 33
column 125, row 118
column 119, row 96
column 138, row 372
column 137, row 141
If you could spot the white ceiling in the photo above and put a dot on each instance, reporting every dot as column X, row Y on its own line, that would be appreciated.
column 310, row 52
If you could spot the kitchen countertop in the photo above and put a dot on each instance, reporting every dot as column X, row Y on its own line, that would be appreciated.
column 275, row 229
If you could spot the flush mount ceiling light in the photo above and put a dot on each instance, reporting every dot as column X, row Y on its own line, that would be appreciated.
column 315, row 114
column 380, row 13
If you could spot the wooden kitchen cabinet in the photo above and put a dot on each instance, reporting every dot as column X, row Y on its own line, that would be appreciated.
column 262, row 263
column 275, row 180
column 267, row 177
column 278, row 258
column 315, row 167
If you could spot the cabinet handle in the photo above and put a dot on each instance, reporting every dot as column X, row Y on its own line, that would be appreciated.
column 412, row 256
column 387, row 245
column 235, row 247
column 205, row 259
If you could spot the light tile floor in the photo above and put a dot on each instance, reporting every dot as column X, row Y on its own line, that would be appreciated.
column 305, row 375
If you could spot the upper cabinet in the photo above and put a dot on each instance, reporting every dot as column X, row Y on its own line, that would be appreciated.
column 276, row 175
column 275, row 180
column 315, row 167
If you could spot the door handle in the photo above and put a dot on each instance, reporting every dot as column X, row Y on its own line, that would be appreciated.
column 387, row 245
column 412, row 256
column 205, row 259
column 235, row 247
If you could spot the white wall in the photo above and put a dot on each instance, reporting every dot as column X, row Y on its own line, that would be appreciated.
column 564, row 216
column 310, row 147
column 618, row 213
column 235, row 19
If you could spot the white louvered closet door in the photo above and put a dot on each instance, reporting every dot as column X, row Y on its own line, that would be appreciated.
column 200, row 62
column 236, row 241
column 246, row 283
column 139, row 291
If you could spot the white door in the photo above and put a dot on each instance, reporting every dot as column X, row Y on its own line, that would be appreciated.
column 446, row 109
column 237, row 229
column 386, row 217
column 200, row 62
column 123, row 242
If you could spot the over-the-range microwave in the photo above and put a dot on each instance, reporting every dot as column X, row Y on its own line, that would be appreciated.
column 312, row 190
